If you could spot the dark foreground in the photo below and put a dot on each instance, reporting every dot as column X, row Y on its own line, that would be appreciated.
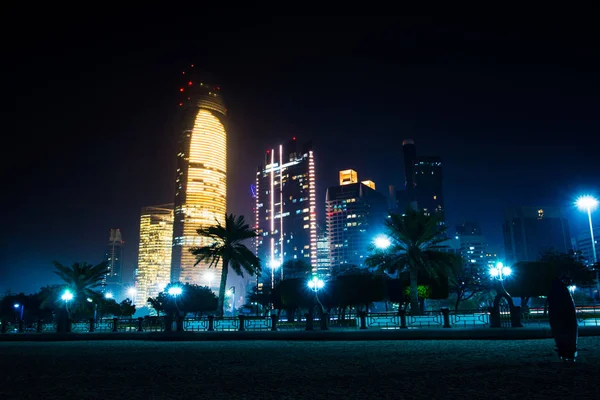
column 520, row 369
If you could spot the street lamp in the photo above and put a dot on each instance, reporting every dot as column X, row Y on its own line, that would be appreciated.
column 21, row 308
column 175, row 291
column 209, row 276
column 382, row 242
column 588, row 204
column 316, row 284
column 500, row 272
column 231, row 293
column 108, row 295
column 67, row 296
column 274, row 264
column 131, row 292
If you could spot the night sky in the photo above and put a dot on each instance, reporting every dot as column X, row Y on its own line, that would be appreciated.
column 510, row 106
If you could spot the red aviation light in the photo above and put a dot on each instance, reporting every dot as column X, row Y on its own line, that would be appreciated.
column 182, row 72
column 268, row 151
column 180, row 104
column 190, row 83
column 192, row 65
column 294, row 138
column 181, row 89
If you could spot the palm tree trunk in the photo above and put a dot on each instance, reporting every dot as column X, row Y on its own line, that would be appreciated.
column 222, row 288
column 415, row 308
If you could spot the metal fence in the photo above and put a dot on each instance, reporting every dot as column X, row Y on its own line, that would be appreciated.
column 587, row 315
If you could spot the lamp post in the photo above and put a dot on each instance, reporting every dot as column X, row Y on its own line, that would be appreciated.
column 588, row 204
column 274, row 264
column 231, row 292
column 67, row 296
column 90, row 300
column 131, row 292
column 316, row 284
column 175, row 291
column 209, row 276
column 21, row 308
column 500, row 272
column 108, row 295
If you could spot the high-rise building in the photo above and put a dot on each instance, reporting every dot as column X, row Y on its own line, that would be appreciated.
column 201, row 181
column 285, row 208
column 114, row 259
column 423, row 182
column 154, row 255
column 323, row 264
column 529, row 231
column 355, row 215
column 428, row 186
column 583, row 243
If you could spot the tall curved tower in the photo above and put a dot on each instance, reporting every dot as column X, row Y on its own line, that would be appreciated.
column 201, row 178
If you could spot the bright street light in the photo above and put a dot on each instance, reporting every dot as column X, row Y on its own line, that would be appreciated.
column 587, row 204
column 20, row 307
column 175, row 291
column 109, row 295
column 382, row 242
column 500, row 271
column 131, row 291
column 572, row 288
column 67, row 296
column 315, row 283
column 209, row 276
column 231, row 293
column 274, row 264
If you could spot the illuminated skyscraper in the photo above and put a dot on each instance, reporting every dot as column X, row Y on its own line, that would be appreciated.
column 201, row 181
column 114, row 258
column 154, row 256
column 323, row 264
column 355, row 215
column 285, row 207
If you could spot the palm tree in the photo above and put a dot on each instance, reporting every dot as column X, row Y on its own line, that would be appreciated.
column 82, row 278
column 227, row 247
column 416, row 247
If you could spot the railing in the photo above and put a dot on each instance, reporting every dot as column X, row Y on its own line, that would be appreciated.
column 587, row 315
column 444, row 318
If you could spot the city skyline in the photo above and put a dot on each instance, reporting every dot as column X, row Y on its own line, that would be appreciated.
column 488, row 134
